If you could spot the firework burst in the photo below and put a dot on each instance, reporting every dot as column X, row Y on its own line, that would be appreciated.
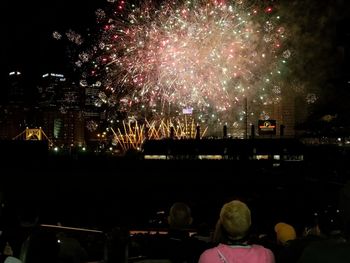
column 153, row 60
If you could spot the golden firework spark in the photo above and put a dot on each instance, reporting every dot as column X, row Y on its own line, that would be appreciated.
column 132, row 135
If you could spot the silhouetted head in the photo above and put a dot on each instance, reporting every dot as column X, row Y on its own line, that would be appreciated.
column 116, row 246
column 28, row 216
column 180, row 216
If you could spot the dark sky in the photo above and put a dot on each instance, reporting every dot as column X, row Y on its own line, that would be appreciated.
column 27, row 27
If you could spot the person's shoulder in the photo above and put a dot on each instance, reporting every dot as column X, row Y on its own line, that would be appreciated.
column 258, row 247
column 209, row 255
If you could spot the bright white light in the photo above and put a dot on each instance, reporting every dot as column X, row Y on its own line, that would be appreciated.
column 57, row 75
column 15, row 73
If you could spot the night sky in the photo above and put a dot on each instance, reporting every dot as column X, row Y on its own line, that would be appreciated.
column 27, row 43
column 28, row 46
column 27, row 30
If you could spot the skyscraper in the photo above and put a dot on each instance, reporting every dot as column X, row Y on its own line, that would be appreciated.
column 61, row 112
column 13, row 113
column 15, row 90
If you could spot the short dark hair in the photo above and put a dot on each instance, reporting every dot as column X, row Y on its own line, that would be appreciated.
column 180, row 215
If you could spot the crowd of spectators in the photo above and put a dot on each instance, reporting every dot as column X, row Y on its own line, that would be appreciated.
column 323, row 237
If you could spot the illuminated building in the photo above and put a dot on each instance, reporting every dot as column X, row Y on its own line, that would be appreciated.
column 61, row 114
column 65, row 130
column 16, row 88
column 50, row 89
column 284, row 113
column 93, row 115
column 13, row 113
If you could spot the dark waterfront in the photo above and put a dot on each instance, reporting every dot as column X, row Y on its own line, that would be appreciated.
column 101, row 191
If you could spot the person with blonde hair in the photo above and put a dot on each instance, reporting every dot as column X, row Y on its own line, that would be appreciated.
column 231, row 235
